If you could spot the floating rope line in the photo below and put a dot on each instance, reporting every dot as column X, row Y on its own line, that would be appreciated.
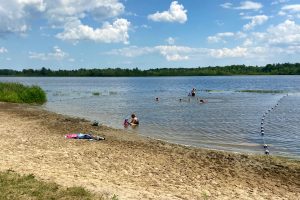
column 262, row 130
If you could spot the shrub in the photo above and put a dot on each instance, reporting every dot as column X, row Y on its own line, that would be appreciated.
column 18, row 93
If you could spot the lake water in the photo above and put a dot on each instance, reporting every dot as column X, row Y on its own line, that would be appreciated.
column 229, row 121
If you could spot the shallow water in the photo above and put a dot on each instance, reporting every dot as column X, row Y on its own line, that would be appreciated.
column 230, row 120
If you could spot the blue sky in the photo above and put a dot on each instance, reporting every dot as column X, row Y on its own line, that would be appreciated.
column 72, row 34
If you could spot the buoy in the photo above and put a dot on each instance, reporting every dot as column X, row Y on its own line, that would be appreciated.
column 262, row 133
column 262, row 122
column 267, row 152
column 263, row 119
column 265, row 146
column 262, row 130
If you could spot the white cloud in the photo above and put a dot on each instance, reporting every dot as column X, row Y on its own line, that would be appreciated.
column 255, row 21
column 293, row 8
column 283, row 35
column 145, row 26
column 15, row 16
column 176, row 57
column 249, row 5
column 226, row 5
column 176, row 13
column 181, row 53
column 3, row 50
column 70, row 14
column 60, row 11
column 108, row 33
column 132, row 51
column 220, row 37
column 170, row 40
column 248, row 42
column 279, row 2
column 245, row 5
column 291, row 11
column 56, row 54
column 174, row 53
column 169, row 52
column 275, row 41
column 15, row 13
column 281, row 13
column 286, row 33
column 231, row 53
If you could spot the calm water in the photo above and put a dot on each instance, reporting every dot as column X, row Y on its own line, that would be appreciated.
column 230, row 120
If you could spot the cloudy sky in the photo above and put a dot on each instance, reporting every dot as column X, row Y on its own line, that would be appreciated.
column 72, row 34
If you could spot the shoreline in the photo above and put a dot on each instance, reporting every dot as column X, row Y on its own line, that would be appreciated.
column 134, row 166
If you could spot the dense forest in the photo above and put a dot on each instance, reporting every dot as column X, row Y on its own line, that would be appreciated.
column 269, row 69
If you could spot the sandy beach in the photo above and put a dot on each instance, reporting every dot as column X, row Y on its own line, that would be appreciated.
column 134, row 167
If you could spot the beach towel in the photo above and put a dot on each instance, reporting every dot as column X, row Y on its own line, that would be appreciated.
column 82, row 136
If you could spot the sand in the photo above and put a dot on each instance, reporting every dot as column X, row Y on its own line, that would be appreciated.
column 134, row 167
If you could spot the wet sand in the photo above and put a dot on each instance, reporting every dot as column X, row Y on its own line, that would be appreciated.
column 133, row 167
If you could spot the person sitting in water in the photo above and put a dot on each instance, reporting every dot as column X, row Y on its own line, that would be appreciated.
column 134, row 120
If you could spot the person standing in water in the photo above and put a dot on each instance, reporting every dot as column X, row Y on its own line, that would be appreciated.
column 193, row 92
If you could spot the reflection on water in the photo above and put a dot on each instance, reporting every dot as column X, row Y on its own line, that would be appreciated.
column 230, row 120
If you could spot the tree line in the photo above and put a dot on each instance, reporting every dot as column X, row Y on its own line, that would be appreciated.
column 269, row 69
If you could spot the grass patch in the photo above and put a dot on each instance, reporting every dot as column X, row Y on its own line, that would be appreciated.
column 114, row 197
column 14, row 186
column 212, row 90
column 19, row 93
column 262, row 91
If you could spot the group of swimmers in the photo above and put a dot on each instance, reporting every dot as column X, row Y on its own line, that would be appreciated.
column 135, row 121
column 193, row 94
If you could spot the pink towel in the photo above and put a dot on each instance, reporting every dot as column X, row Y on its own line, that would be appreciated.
column 71, row 136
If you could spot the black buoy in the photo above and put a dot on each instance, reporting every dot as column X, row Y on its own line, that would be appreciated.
column 262, row 133
column 265, row 146
column 267, row 152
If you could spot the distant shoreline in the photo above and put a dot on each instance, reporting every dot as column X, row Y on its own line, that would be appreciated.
column 232, row 70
